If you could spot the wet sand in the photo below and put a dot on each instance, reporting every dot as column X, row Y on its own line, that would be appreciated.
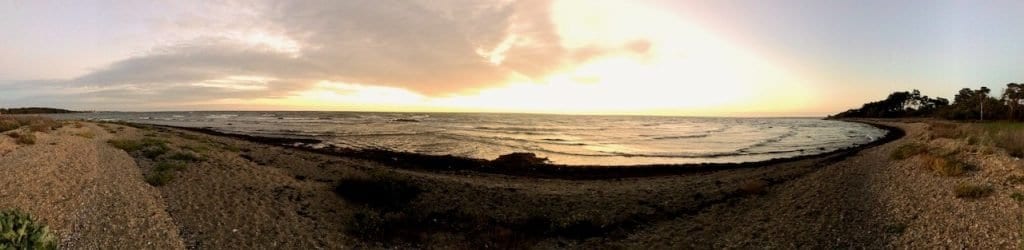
column 245, row 193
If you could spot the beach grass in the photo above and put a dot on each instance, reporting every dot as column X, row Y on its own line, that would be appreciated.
column 908, row 150
column 1005, row 135
column 23, row 137
column 19, row 230
column 972, row 191
column 945, row 166
column 35, row 123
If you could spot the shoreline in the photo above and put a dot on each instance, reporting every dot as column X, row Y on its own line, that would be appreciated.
column 450, row 163
column 227, row 192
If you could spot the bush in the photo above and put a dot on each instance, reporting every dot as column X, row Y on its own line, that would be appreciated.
column 972, row 191
column 159, row 178
column 908, row 150
column 18, row 230
column 8, row 125
column 1012, row 141
column 43, row 125
column 23, row 138
column 1015, row 180
column 1019, row 197
column 185, row 156
column 946, row 130
column 126, row 145
column 148, row 147
column 945, row 166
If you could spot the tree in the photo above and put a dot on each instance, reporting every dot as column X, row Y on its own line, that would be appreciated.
column 982, row 95
column 898, row 104
column 1012, row 96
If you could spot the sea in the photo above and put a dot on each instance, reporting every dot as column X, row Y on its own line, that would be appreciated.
column 563, row 139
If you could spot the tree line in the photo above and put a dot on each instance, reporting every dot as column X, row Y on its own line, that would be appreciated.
column 968, row 104
column 34, row 110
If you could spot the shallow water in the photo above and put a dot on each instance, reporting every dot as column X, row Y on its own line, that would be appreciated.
column 574, row 140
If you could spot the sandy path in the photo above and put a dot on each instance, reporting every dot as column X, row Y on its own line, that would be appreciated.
column 865, row 201
column 91, row 194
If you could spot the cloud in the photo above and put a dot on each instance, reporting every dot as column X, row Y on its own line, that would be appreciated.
column 431, row 47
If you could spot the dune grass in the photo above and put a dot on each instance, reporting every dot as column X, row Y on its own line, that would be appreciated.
column 946, row 130
column 86, row 134
column 18, row 230
column 185, row 157
column 23, row 137
column 945, row 166
column 163, row 172
column 972, row 191
column 149, row 147
column 908, row 150
column 34, row 123
column 1006, row 135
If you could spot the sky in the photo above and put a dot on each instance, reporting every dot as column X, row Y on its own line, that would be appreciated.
column 659, row 57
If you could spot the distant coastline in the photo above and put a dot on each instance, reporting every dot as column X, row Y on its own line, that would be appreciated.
column 36, row 110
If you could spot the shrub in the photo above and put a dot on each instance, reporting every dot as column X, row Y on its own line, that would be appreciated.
column 23, row 138
column 972, row 191
column 945, row 166
column 154, row 151
column 946, row 130
column 43, row 125
column 1012, row 141
column 1015, row 180
column 164, row 166
column 18, row 230
column 149, row 147
column 908, row 150
column 159, row 178
column 1017, row 196
column 8, row 124
column 126, row 145
column 185, row 156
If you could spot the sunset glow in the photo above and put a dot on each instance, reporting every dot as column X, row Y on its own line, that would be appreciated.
column 560, row 56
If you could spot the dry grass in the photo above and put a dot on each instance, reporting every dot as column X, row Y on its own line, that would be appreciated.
column 87, row 134
column 945, row 166
column 972, row 191
column 908, row 150
column 1012, row 141
column 8, row 124
column 23, row 137
column 1015, row 180
column 1017, row 196
column 149, row 147
column 946, row 130
column 35, row 123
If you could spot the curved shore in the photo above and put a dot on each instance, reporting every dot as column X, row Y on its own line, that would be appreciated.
column 444, row 163
column 238, row 193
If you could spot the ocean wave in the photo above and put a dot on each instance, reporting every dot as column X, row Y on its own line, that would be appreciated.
column 677, row 137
